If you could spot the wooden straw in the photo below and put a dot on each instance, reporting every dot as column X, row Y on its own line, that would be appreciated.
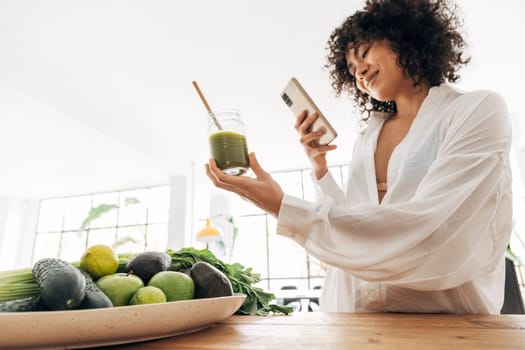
column 210, row 113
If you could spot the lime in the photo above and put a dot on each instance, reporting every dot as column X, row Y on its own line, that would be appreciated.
column 148, row 295
column 99, row 260
column 119, row 287
column 176, row 285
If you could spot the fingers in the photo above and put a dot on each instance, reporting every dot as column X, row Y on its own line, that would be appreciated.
column 300, row 118
column 325, row 148
column 212, row 169
column 262, row 191
column 211, row 173
column 225, row 186
column 316, row 152
column 312, row 138
column 228, row 182
column 214, row 177
column 215, row 174
column 304, row 121
column 256, row 167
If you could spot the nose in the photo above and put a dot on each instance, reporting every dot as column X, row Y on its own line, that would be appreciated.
column 361, row 70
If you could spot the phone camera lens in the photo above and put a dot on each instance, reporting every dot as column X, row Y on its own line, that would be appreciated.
column 287, row 99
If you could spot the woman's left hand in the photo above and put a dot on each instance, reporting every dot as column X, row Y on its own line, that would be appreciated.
column 263, row 191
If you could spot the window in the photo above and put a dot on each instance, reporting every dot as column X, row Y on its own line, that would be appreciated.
column 130, row 220
column 278, row 260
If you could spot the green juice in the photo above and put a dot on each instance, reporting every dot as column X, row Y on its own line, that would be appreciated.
column 230, row 151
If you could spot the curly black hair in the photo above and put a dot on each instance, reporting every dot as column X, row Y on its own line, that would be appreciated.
column 423, row 33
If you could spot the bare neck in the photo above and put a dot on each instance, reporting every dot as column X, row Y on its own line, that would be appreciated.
column 409, row 100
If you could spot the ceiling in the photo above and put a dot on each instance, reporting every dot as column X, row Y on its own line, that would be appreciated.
column 97, row 95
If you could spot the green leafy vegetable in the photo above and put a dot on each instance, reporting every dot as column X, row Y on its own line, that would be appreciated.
column 257, row 301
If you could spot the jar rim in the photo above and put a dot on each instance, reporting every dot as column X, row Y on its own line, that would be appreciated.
column 224, row 109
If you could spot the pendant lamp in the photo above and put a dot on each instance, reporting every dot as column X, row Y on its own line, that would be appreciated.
column 209, row 233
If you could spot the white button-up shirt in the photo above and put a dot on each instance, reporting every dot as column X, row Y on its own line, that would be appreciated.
column 436, row 242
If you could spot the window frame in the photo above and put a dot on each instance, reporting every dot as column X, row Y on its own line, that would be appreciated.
column 63, row 231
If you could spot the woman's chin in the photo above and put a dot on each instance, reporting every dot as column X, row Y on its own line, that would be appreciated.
column 379, row 97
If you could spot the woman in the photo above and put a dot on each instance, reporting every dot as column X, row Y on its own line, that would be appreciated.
column 426, row 216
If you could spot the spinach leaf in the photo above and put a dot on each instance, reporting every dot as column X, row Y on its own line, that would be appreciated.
column 242, row 279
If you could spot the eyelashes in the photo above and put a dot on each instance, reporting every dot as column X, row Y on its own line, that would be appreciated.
column 351, row 67
column 365, row 52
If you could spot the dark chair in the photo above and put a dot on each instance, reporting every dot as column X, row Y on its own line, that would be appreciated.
column 288, row 287
column 297, row 305
column 513, row 302
column 315, row 300
column 313, row 306
column 292, row 302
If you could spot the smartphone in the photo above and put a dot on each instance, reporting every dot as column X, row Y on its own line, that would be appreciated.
column 296, row 97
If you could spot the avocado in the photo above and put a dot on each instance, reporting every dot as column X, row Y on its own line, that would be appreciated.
column 210, row 282
column 146, row 264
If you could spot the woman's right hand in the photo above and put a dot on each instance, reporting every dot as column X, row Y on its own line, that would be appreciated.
column 310, row 141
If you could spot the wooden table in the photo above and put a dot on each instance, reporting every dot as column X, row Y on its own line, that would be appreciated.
column 314, row 330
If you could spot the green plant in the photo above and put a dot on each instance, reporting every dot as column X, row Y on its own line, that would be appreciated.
column 222, row 244
column 98, row 211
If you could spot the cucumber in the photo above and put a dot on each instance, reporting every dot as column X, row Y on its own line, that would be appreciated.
column 62, row 286
column 34, row 303
column 94, row 297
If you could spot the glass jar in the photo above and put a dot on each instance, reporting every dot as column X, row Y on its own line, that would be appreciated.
column 228, row 144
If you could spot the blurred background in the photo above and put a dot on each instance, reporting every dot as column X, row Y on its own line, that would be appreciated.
column 97, row 108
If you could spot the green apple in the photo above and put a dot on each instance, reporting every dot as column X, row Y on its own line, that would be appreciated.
column 119, row 287
column 175, row 285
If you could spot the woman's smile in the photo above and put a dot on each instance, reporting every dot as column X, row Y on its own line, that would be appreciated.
column 370, row 79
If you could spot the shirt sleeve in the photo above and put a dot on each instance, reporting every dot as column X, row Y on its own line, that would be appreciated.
column 456, row 226
column 327, row 186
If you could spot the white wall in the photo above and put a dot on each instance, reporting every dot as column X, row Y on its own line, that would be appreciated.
column 180, row 222
column 18, row 222
column 4, row 213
